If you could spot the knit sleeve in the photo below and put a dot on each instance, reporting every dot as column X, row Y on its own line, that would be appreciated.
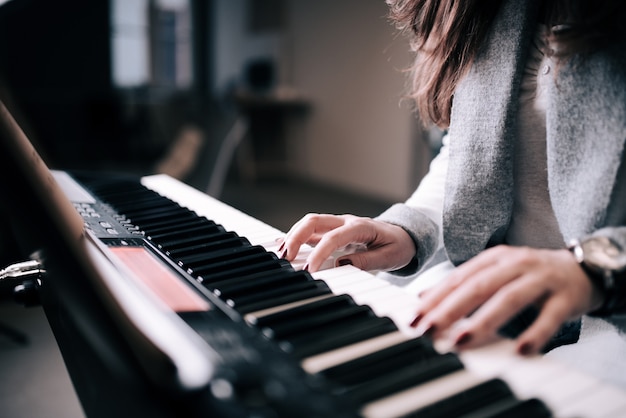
column 420, row 215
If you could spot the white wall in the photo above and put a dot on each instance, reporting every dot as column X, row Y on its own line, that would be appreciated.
column 346, row 58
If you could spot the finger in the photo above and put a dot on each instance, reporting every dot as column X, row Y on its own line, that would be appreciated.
column 308, row 230
column 508, row 301
column 379, row 258
column 463, row 277
column 458, row 276
column 334, row 240
column 311, row 224
column 553, row 314
column 473, row 292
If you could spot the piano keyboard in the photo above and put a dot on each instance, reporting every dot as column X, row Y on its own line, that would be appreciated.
column 342, row 326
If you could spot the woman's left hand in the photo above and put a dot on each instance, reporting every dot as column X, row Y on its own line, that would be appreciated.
column 499, row 283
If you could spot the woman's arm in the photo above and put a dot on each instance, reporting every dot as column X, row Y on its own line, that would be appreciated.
column 421, row 214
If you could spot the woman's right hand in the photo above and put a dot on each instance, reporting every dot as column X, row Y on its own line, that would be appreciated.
column 388, row 246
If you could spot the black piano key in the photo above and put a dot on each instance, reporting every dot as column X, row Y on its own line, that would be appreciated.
column 141, row 202
column 125, row 204
column 146, row 225
column 334, row 302
column 276, row 296
column 159, row 216
column 316, row 323
column 190, row 237
column 334, row 337
column 210, row 268
column 149, row 224
column 413, row 373
column 221, row 242
column 258, row 282
column 122, row 194
column 266, row 263
column 190, row 226
column 476, row 398
column 383, row 361
column 181, row 231
column 522, row 409
column 194, row 261
column 319, row 289
column 148, row 206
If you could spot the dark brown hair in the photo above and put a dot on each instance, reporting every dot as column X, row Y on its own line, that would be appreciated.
column 446, row 34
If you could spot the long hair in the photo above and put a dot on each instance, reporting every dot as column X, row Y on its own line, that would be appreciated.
column 446, row 35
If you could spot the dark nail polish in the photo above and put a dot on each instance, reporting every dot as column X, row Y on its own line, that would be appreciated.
column 416, row 320
column 526, row 349
column 283, row 254
column 463, row 339
column 344, row 262
column 306, row 267
column 282, row 247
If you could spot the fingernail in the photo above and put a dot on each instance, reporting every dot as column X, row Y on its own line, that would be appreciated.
column 283, row 254
column 344, row 262
column 416, row 320
column 306, row 267
column 526, row 349
column 464, row 338
column 282, row 246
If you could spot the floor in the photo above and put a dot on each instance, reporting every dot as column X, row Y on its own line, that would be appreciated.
column 33, row 380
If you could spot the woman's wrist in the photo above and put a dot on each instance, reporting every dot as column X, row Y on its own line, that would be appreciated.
column 604, row 262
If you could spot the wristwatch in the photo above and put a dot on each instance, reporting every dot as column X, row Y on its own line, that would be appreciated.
column 604, row 261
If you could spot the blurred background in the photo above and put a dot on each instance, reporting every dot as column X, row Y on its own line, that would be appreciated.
column 124, row 84
column 277, row 107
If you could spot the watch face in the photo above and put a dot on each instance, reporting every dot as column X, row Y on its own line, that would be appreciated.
column 603, row 253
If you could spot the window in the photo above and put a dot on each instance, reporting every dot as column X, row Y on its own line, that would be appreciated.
column 151, row 43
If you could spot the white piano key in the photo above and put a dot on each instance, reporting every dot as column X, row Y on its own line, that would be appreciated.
column 534, row 377
column 389, row 296
column 253, row 316
column 402, row 318
column 604, row 402
column 319, row 362
column 410, row 400
column 360, row 287
column 232, row 219
column 564, row 390
column 341, row 277
column 400, row 310
column 365, row 287
column 385, row 298
column 490, row 360
column 343, row 271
